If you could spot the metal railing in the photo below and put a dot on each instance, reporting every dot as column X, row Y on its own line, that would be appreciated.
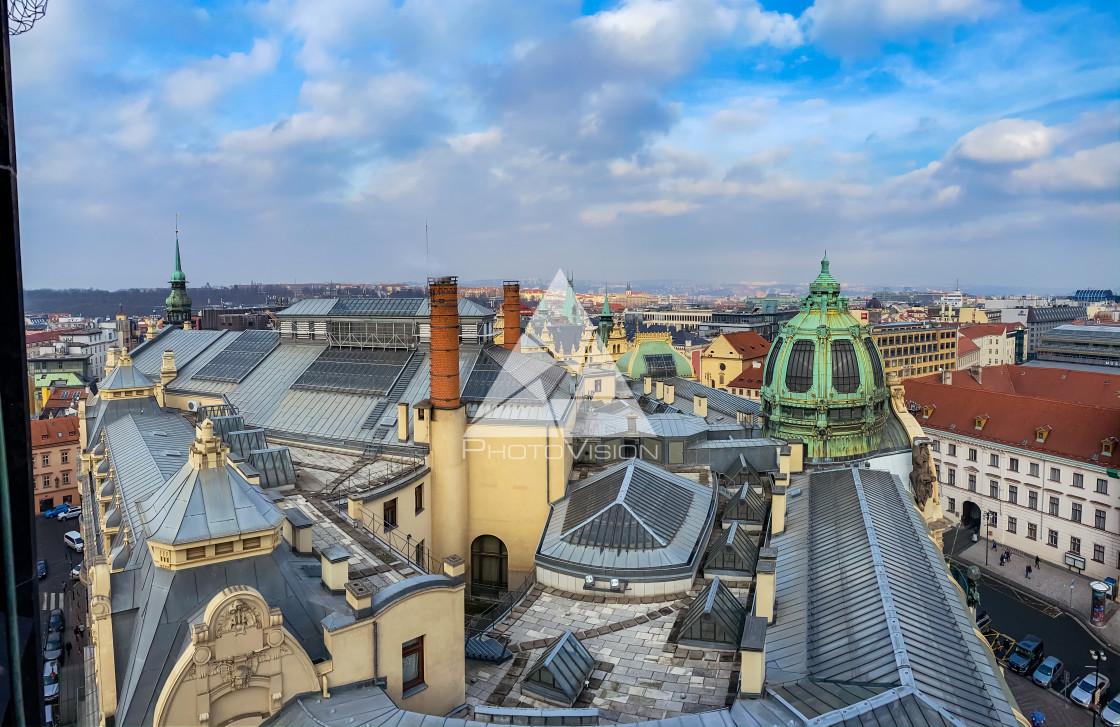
column 503, row 605
column 415, row 552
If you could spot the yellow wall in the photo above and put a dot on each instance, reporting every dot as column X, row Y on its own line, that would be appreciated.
column 512, row 483
column 409, row 522
column 449, row 482
column 721, row 352
column 435, row 614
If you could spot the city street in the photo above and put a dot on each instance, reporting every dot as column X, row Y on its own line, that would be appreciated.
column 58, row 590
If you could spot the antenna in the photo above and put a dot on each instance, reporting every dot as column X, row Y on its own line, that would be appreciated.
column 427, row 266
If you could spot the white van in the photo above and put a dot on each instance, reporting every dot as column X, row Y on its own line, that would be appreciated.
column 74, row 541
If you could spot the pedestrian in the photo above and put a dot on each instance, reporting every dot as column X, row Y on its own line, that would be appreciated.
column 1001, row 560
column 1008, row 554
column 994, row 545
column 1028, row 572
column 1037, row 562
column 69, row 646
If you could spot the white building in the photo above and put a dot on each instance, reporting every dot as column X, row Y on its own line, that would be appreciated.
column 1039, row 472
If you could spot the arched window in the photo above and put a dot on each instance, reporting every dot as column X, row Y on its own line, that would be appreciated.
column 876, row 362
column 489, row 564
column 772, row 361
column 799, row 368
column 845, row 367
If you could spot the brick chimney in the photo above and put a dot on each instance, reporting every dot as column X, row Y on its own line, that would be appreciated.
column 511, row 313
column 444, row 293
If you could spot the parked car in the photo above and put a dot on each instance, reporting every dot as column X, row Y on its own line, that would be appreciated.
column 70, row 514
column 41, row 569
column 51, row 716
column 1082, row 694
column 50, row 682
column 56, row 621
column 73, row 540
column 76, row 572
column 1026, row 655
column 57, row 510
column 53, row 650
column 983, row 621
column 1110, row 715
column 1048, row 673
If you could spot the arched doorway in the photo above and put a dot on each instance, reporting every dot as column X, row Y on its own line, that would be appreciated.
column 970, row 515
column 489, row 565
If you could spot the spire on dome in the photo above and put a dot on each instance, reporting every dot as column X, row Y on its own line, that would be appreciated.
column 606, row 305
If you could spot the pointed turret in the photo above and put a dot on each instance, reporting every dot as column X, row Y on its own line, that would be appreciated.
column 178, row 303
column 606, row 320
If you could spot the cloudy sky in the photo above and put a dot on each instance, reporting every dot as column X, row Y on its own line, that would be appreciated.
column 724, row 140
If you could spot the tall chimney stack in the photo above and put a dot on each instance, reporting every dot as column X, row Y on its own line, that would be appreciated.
column 444, row 293
column 511, row 313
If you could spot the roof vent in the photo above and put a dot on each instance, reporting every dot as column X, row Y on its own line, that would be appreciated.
column 172, row 453
column 158, row 433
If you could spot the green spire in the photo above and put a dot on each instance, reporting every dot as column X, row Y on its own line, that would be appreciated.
column 606, row 305
column 825, row 283
column 177, row 276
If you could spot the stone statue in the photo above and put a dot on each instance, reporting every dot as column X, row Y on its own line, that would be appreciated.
column 921, row 474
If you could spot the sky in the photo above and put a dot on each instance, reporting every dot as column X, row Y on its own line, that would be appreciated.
column 709, row 140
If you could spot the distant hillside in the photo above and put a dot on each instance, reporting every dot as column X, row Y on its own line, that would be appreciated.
column 136, row 301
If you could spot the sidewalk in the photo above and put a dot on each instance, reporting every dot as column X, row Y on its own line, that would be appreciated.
column 1049, row 583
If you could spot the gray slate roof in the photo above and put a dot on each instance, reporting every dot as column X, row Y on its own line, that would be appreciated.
column 124, row 377
column 634, row 521
column 560, row 672
column 867, row 560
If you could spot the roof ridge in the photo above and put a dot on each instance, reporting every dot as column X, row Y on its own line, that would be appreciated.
column 973, row 392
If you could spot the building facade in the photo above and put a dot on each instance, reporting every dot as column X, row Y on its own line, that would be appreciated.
column 729, row 354
column 916, row 348
column 1035, row 474
column 1082, row 345
column 1042, row 319
column 998, row 343
column 56, row 460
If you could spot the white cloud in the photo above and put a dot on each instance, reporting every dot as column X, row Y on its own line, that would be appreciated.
column 1007, row 141
column 859, row 26
column 605, row 214
column 1086, row 170
column 200, row 85
column 468, row 143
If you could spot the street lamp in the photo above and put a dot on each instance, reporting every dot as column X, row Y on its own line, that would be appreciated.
column 1098, row 657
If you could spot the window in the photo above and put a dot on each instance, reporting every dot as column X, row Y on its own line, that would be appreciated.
column 993, row 460
column 65, row 456
column 1099, row 519
column 1102, row 485
column 46, row 460
column 799, row 367
column 993, row 489
column 1013, row 494
column 1052, row 538
column 1032, row 500
column 1032, row 531
column 952, row 473
column 1011, row 524
column 1078, row 480
column 196, row 553
column 952, row 450
column 993, row 519
column 1034, row 469
column 1013, row 464
column 1098, row 553
column 418, row 495
column 412, row 664
column 936, row 445
column 223, row 548
column 67, row 499
column 1055, row 474
column 46, row 481
column 1053, row 506
column 420, row 554
column 1075, row 513
column 250, row 543
column 952, row 505
column 66, row 478
column 1074, row 545
column 845, row 367
column 971, row 454
column 389, row 514
column 972, row 483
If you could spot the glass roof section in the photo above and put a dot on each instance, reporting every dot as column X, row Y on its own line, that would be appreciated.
column 354, row 371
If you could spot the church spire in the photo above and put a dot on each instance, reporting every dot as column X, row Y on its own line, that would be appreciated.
column 179, row 302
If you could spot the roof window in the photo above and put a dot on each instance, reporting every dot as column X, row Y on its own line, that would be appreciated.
column 981, row 421
column 1108, row 446
column 1042, row 433
column 927, row 410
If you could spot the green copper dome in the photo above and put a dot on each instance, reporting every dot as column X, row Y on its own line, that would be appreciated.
column 654, row 358
column 823, row 382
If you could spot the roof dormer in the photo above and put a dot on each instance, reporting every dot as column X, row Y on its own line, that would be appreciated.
column 1041, row 433
column 981, row 420
column 927, row 410
column 1108, row 446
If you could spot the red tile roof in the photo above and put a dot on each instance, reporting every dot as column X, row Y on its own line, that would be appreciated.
column 966, row 346
column 751, row 378
column 1073, row 387
column 1076, row 430
column 980, row 330
column 748, row 343
column 48, row 432
column 40, row 336
column 62, row 398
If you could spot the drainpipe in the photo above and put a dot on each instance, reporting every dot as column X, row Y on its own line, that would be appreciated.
column 376, row 661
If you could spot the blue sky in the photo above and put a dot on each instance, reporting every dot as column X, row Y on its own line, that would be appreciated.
column 723, row 140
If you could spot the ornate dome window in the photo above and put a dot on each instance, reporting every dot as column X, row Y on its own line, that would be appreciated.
column 845, row 367
column 799, row 369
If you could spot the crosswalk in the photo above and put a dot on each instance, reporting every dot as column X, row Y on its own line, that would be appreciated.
column 54, row 600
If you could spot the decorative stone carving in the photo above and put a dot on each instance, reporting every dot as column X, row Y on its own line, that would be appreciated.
column 237, row 670
column 100, row 607
column 921, row 474
column 239, row 616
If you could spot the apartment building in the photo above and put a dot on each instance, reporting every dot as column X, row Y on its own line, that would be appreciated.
column 1035, row 472
column 998, row 343
column 55, row 454
column 916, row 348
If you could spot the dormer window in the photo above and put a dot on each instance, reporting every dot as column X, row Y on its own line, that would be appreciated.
column 1042, row 433
column 981, row 421
column 927, row 410
column 1108, row 446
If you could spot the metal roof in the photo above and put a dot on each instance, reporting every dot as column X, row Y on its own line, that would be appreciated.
column 227, row 423
column 714, row 620
column 124, row 377
column 239, row 356
column 242, row 442
column 867, row 560
column 734, row 554
column 633, row 520
column 1055, row 314
column 183, row 343
column 747, row 506
column 561, row 672
column 274, row 465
